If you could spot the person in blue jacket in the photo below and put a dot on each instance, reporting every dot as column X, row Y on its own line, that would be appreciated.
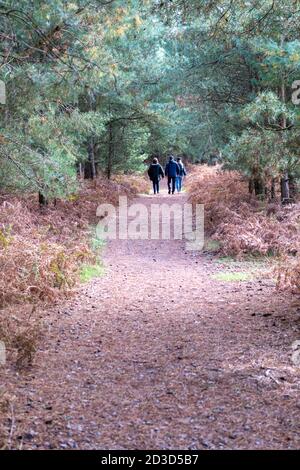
column 172, row 171
column 182, row 174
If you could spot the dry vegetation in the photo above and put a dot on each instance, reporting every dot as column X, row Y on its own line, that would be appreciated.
column 240, row 347
column 41, row 252
column 244, row 225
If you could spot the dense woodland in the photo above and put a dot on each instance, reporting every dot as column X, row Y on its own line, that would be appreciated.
column 94, row 90
column 103, row 86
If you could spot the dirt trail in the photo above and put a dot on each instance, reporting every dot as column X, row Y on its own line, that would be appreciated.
column 159, row 355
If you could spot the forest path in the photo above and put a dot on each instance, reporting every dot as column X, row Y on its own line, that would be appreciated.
column 158, row 354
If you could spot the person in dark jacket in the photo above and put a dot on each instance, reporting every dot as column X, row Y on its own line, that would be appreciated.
column 181, row 175
column 172, row 171
column 155, row 173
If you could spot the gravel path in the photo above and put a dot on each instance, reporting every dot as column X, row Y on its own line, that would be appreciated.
column 157, row 354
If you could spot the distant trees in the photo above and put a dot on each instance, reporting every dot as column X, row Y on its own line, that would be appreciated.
column 84, row 91
column 241, row 59
column 102, row 86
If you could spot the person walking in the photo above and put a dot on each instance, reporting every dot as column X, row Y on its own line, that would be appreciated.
column 155, row 173
column 181, row 175
column 172, row 171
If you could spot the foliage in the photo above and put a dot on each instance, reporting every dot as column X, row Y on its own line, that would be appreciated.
column 241, row 223
column 113, row 84
column 90, row 271
column 44, row 254
column 108, row 85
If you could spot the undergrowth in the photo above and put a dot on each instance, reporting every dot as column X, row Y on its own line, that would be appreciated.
column 240, row 225
column 45, row 252
column 238, row 276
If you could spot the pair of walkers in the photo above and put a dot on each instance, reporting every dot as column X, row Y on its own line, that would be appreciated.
column 174, row 171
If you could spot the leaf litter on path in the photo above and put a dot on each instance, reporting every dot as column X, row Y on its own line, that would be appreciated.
column 158, row 355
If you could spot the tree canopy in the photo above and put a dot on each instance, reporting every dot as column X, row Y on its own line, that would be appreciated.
column 110, row 84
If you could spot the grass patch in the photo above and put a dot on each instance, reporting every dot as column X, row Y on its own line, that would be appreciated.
column 212, row 245
column 226, row 260
column 237, row 276
column 94, row 269
column 97, row 244
column 249, row 259
column 90, row 271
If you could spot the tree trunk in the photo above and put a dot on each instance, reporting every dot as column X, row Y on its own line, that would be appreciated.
column 273, row 189
column 259, row 186
column 87, row 170
column 110, row 150
column 293, row 188
column 43, row 201
column 251, row 185
column 284, row 183
column 285, row 188
column 90, row 167
column 80, row 170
